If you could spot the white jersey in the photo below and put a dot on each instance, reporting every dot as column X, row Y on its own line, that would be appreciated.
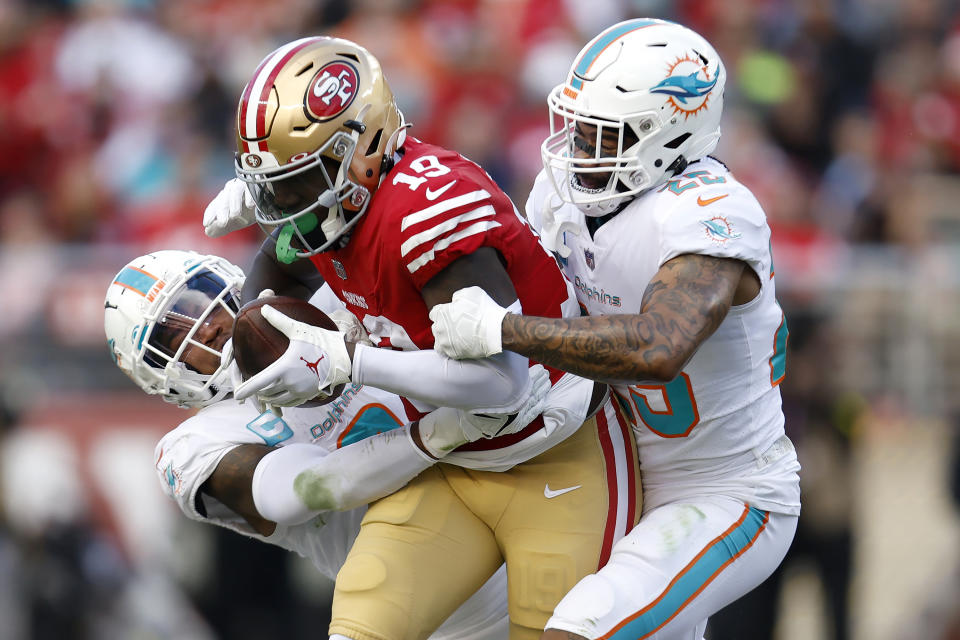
column 186, row 456
column 717, row 427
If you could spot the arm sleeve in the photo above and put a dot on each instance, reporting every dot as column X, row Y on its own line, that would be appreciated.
column 298, row 481
column 496, row 385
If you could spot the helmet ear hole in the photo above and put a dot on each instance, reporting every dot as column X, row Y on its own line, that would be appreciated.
column 679, row 140
column 375, row 143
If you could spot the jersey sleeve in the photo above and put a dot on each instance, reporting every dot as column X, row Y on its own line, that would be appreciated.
column 447, row 215
column 188, row 455
column 533, row 209
column 724, row 221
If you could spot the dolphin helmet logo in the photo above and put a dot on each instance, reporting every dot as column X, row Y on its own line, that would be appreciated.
column 688, row 85
column 683, row 87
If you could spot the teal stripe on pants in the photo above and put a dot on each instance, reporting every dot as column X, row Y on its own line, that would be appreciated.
column 694, row 577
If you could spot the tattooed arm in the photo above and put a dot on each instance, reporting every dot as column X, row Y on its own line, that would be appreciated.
column 232, row 481
column 684, row 304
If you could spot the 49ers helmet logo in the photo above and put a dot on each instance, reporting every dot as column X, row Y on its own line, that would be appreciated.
column 331, row 91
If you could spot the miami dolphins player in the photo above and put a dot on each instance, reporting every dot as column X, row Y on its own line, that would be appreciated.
column 168, row 320
column 670, row 256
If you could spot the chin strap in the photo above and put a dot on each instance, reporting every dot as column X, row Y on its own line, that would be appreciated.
column 394, row 144
column 677, row 166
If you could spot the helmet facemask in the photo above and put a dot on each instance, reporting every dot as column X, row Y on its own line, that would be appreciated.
column 187, row 337
column 307, row 198
column 168, row 318
column 593, row 159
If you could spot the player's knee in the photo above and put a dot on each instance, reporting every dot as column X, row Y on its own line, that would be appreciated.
column 584, row 610
column 363, row 604
column 594, row 596
column 364, row 572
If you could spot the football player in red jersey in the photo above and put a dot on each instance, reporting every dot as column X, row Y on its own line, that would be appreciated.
column 395, row 225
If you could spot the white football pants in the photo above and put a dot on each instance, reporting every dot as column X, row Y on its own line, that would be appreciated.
column 680, row 564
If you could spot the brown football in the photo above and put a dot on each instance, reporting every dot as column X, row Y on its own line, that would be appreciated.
column 257, row 343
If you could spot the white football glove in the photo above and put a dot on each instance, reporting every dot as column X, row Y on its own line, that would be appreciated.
column 445, row 429
column 233, row 208
column 314, row 363
column 552, row 230
column 470, row 326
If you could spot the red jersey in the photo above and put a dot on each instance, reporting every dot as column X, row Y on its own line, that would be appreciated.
column 433, row 207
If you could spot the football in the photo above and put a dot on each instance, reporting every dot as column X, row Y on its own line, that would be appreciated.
column 257, row 343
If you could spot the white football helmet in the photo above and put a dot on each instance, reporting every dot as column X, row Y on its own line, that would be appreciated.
column 166, row 305
column 317, row 125
column 643, row 99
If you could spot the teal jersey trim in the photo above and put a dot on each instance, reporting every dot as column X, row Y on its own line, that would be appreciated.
column 370, row 422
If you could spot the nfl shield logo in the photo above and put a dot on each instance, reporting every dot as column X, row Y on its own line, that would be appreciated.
column 338, row 267
column 589, row 257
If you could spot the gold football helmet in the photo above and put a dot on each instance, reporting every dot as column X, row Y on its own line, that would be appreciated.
column 317, row 125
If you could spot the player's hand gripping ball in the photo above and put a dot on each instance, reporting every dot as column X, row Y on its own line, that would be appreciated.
column 257, row 343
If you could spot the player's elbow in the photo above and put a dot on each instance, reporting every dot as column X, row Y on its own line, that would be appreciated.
column 658, row 366
column 320, row 490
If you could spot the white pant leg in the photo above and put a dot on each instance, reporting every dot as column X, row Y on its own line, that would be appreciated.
column 679, row 565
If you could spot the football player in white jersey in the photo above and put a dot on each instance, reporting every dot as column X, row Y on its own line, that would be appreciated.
column 670, row 256
column 168, row 316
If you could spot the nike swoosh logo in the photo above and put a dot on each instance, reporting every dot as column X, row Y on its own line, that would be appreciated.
column 703, row 203
column 433, row 195
column 549, row 493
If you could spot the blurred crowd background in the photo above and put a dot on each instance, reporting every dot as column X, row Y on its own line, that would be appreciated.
column 116, row 118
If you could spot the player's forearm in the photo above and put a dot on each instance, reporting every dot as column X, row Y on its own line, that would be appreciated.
column 298, row 279
column 683, row 305
column 613, row 349
column 496, row 384
column 231, row 483
column 296, row 482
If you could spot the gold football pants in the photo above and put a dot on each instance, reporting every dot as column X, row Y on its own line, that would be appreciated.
column 425, row 549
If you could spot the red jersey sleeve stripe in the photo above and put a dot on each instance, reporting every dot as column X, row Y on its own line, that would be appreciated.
column 418, row 239
column 441, row 207
column 480, row 227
